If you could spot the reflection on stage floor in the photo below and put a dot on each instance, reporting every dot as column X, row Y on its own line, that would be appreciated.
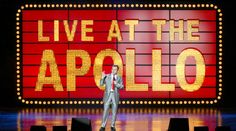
column 128, row 119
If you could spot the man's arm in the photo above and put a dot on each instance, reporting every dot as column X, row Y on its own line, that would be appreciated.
column 119, row 84
column 103, row 78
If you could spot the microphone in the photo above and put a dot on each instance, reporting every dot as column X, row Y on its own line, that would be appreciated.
column 105, row 75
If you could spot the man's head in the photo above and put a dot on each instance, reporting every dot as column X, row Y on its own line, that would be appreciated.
column 115, row 69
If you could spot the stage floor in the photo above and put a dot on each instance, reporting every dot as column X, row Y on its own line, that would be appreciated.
column 128, row 119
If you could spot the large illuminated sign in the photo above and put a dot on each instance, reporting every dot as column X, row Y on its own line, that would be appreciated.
column 167, row 53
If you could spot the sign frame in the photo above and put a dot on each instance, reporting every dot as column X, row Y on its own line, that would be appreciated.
column 137, row 101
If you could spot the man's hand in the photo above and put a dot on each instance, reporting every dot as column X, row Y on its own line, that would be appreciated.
column 103, row 74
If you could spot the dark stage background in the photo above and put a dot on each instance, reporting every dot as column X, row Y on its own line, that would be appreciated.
column 8, row 97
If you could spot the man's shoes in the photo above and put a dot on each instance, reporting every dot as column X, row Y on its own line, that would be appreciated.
column 102, row 129
column 113, row 129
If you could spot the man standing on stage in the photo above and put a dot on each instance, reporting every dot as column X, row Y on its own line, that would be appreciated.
column 113, row 83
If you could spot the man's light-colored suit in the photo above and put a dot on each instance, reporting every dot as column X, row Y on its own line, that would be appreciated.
column 110, row 97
